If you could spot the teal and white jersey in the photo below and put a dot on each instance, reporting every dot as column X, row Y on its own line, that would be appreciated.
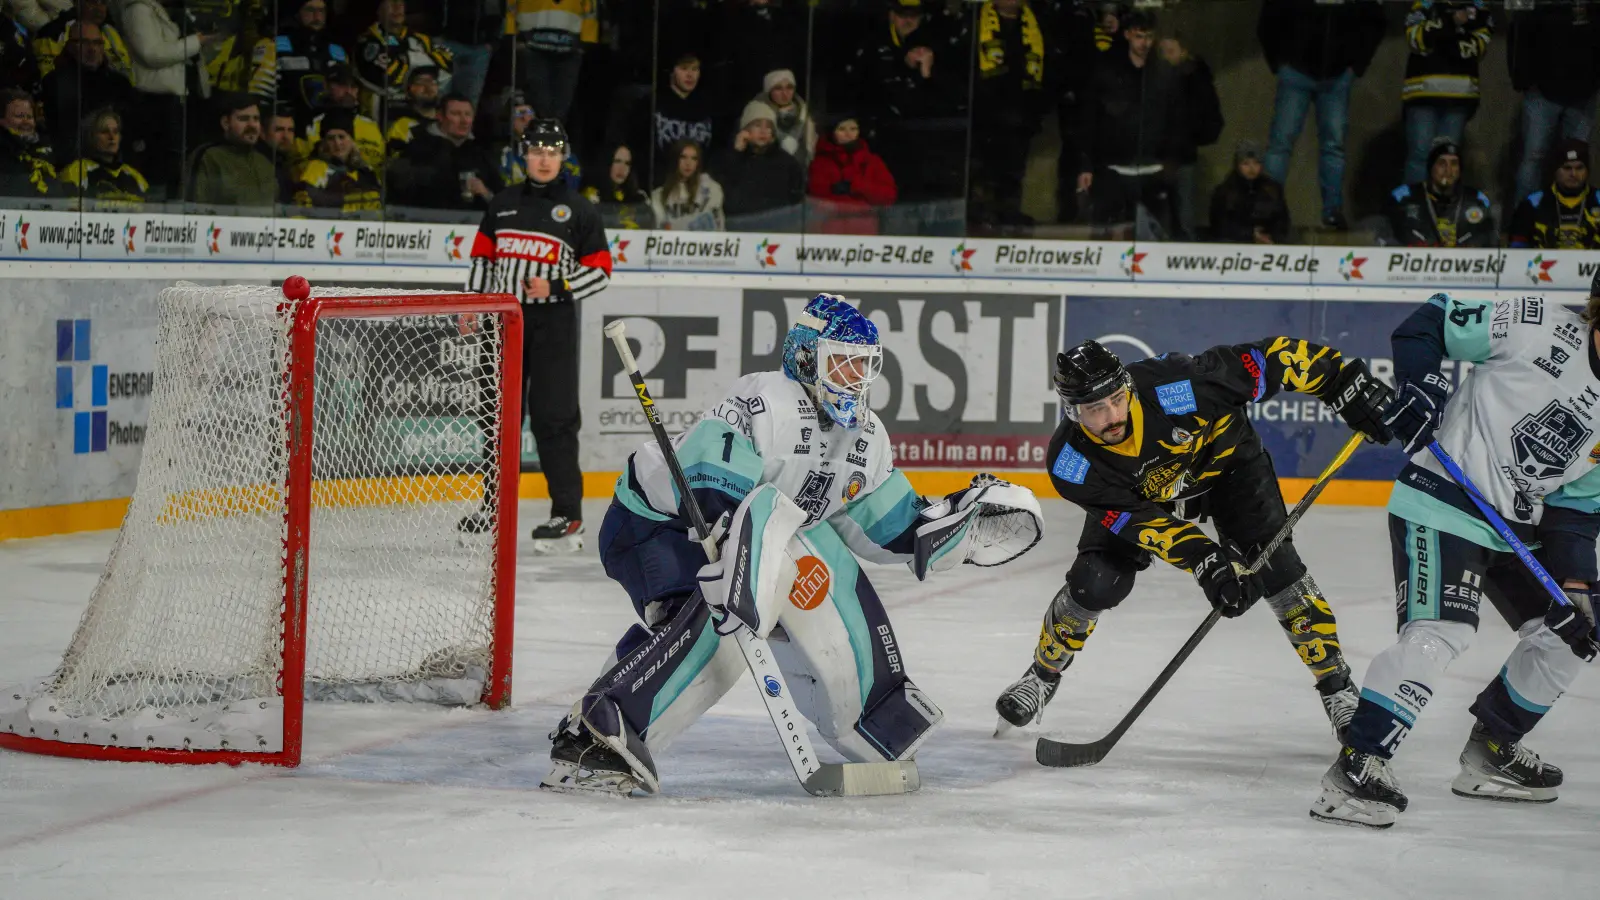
column 1522, row 424
column 767, row 432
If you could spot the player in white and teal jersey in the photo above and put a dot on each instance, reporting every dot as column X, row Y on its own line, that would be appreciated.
column 800, row 476
column 1523, row 426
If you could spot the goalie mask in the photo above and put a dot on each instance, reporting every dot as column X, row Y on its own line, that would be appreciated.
column 833, row 350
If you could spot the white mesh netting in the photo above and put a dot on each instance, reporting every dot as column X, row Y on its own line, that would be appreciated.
column 183, row 641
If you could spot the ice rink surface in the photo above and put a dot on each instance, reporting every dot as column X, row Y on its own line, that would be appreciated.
column 1205, row 798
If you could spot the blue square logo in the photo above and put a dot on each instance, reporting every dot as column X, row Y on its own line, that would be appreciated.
column 87, row 399
column 1070, row 465
column 1176, row 398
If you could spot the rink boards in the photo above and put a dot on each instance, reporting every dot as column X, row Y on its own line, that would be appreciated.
column 965, row 388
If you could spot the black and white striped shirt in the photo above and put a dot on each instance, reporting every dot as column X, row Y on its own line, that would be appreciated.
column 540, row 231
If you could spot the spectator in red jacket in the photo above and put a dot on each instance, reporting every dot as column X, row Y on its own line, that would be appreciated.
column 848, row 183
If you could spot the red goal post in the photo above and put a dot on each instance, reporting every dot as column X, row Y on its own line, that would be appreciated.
column 396, row 597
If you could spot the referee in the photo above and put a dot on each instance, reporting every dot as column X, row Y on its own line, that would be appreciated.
column 544, row 243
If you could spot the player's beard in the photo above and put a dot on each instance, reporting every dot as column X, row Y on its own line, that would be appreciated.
column 1114, row 433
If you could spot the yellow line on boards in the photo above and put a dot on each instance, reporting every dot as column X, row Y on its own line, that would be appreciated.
column 100, row 515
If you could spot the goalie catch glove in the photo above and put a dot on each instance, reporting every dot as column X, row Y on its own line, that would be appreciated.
column 989, row 523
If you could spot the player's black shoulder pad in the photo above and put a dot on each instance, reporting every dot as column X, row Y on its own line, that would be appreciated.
column 1161, row 368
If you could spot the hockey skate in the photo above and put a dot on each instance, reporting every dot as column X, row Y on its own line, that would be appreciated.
column 594, row 750
column 1359, row 790
column 476, row 523
column 558, row 535
column 1491, row 770
column 1339, row 700
column 1023, row 702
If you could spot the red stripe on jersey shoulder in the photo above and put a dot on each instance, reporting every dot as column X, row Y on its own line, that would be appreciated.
column 600, row 259
column 482, row 246
column 530, row 245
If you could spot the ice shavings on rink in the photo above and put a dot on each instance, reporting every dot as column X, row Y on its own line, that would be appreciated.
column 1205, row 798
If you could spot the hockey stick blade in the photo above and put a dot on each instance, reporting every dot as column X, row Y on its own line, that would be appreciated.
column 864, row 779
column 1062, row 754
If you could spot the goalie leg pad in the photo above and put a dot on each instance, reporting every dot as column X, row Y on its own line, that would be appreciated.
column 842, row 656
column 666, row 682
column 1539, row 670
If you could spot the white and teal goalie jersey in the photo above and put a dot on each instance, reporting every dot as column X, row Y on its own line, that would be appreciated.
column 1522, row 424
column 767, row 432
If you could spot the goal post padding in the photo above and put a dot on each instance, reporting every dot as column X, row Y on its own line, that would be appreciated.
column 295, row 532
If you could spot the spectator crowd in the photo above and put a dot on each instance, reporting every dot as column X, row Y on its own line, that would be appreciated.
column 836, row 116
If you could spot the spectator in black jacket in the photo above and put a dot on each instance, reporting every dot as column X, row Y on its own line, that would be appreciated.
column 1566, row 216
column 610, row 185
column 1317, row 50
column 757, row 37
column 444, row 167
column 1201, row 126
column 1247, row 207
column 1007, row 106
column 1441, row 211
column 81, row 81
column 25, row 161
column 762, row 185
column 1554, row 59
column 1447, row 40
column 909, row 83
column 1126, row 129
column 681, row 109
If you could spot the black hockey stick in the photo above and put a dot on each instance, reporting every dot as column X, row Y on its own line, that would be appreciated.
column 1061, row 754
column 820, row 779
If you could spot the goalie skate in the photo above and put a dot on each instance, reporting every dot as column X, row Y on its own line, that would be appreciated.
column 1359, row 790
column 1491, row 770
column 580, row 764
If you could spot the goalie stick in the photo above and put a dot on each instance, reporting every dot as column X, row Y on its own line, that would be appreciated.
column 1062, row 754
column 851, row 779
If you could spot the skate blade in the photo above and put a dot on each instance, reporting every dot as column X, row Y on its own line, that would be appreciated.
column 1002, row 727
column 572, row 543
column 1484, row 787
column 567, row 778
column 1337, row 808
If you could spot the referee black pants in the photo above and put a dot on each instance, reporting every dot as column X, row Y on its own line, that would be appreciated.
column 550, row 399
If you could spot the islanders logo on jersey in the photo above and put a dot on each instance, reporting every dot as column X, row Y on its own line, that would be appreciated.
column 1548, row 441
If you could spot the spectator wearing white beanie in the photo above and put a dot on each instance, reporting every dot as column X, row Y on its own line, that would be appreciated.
column 794, row 129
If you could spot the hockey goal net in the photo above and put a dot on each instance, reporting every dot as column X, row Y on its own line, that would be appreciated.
column 318, row 515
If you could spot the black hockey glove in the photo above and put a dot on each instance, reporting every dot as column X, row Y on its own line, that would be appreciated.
column 1226, row 587
column 1575, row 623
column 1360, row 400
column 1414, row 413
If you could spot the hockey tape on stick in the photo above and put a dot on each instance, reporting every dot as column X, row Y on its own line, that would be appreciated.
column 819, row 779
column 1499, row 525
column 1061, row 754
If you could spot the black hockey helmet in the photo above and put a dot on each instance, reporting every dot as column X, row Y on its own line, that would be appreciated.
column 543, row 133
column 1089, row 372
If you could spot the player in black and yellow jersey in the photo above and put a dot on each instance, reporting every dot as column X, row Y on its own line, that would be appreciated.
column 1149, row 449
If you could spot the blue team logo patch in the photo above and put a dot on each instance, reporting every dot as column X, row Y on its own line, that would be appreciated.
column 1071, row 465
column 1176, row 398
column 774, row 689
